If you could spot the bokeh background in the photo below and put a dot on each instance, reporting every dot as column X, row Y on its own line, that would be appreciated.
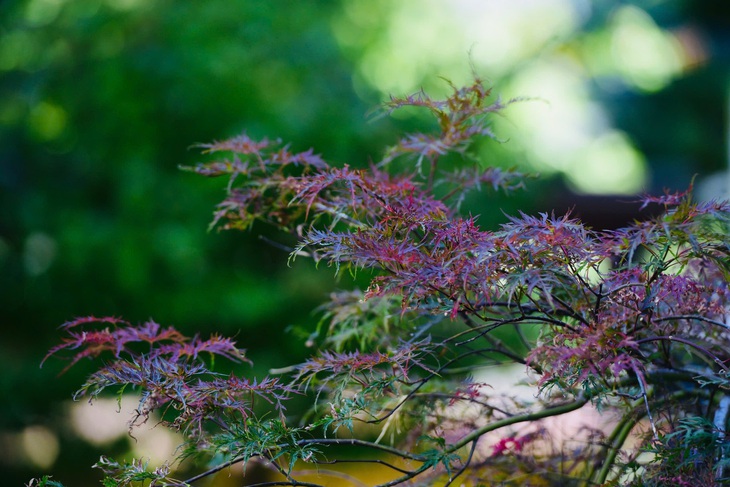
column 102, row 100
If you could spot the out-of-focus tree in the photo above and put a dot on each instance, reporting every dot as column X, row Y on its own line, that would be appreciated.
column 99, row 104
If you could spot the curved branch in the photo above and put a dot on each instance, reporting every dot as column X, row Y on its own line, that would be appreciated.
column 316, row 441
column 451, row 397
column 614, row 444
column 619, row 435
column 692, row 317
column 405, row 478
column 354, row 460
column 533, row 416
column 332, row 473
column 571, row 312
column 213, row 470
column 466, row 464
column 363, row 443
column 285, row 482
column 444, row 370
column 699, row 348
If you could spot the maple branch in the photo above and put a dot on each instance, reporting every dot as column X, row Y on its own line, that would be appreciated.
column 689, row 343
column 567, row 407
column 465, row 465
column 692, row 317
column 283, row 482
column 613, row 446
column 373, row 460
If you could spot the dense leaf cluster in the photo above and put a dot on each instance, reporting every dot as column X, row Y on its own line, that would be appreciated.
column 633, row 321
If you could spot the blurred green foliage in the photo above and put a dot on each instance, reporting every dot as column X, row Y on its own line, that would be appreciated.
column 101, row 101
column 99, row 104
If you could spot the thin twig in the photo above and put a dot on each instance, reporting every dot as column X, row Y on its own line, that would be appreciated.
column 672, row 338
column 466, row 464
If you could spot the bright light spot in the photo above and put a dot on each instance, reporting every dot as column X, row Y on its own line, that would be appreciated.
column 101, row 422
column 563, row 131
column 609, row 165
column 644, row 54
column 511, row 380
column 423, row 38
column 713, row 186
column 408, row 44
column 560, row 121
column 503, row 33
column 39, row 252
column 157, row 443
column 47, row 120
column 42, row 12
column 595, row 275
column 40, row 446
column 104, row 421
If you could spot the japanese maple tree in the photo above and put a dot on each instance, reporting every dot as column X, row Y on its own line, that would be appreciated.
column 633, row 322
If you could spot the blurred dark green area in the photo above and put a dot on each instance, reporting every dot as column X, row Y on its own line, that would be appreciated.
column 101, row 101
